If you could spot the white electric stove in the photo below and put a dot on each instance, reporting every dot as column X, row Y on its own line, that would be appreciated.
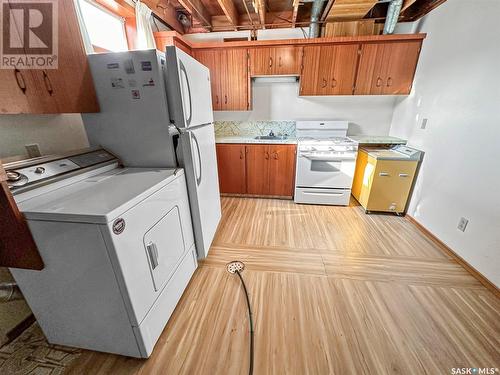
column 326, row 160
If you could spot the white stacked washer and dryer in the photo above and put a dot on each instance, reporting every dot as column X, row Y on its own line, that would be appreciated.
column 120, row 240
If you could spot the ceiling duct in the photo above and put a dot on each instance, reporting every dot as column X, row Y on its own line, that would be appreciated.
column 316, row 9
column 392, row 16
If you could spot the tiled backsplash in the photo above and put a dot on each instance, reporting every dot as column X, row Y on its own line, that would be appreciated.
column 253, row 128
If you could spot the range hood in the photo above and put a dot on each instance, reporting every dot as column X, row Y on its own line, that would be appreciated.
column 275, row 79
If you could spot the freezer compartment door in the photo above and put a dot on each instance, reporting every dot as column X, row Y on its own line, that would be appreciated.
column 188, row 90
column 134, row 123
column 197, row 155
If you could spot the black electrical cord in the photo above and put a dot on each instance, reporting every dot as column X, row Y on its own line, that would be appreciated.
column 250, row 320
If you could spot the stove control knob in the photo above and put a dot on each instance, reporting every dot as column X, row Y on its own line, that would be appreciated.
column 15, row 179
column 13, row 176
column 40, row 170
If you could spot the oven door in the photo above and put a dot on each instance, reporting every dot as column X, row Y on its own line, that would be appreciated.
column 324, row 170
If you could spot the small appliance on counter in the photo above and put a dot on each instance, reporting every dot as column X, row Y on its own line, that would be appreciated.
column 384, row 177
column 325, row 163
column 117, row 244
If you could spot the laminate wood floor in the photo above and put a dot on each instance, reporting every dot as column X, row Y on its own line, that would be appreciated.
column 333, row 291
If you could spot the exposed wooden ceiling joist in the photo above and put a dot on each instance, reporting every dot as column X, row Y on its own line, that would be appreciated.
column 295, row 12
column 165, row 12
column 326, row 11
column 419, row 8
column 260, row 9
column 230, row 11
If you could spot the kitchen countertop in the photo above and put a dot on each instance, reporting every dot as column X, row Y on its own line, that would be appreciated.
column 250, row 139
column 377, row 139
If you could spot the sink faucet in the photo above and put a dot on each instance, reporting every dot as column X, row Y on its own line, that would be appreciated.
column 271, row 133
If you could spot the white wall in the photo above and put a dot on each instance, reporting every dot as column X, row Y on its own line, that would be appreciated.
column 280, row 101
column 457, row 87
column 54, row 133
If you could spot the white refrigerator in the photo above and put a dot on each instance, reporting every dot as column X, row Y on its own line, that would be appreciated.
column 156, row 111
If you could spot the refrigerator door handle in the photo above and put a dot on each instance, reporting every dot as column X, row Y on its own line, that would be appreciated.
column 198, row 177
column 186, row 79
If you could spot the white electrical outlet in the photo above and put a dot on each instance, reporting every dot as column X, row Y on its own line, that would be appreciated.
column 423, row 125
column 33, row 150
column 462, row 224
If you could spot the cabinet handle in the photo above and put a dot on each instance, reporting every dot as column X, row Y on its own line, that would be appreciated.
column 403, row 175
column 379, row 82
column 266, row 155
column 279, row 62
column 48, row 84
column 383, row 174
column 325, row 82
column 334, row 83
column 241, row 154
column 20, row 80
column 275, row 155
column 389, row 82
column 217, row 99
column 225, row 99
column 270, row 62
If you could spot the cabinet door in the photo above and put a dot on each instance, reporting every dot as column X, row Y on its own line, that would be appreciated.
column 311, row 81
column 231, row 166
column 213, row 60
column 342, row 69
column 400, row 61
column 261, row 61
column 281, row 170
column 329, row 70
column 235, row 80
column 387, row 68
column 287, row 60
column 13, row 91
column 71, row 85
column 257, row 163
column 391, row 185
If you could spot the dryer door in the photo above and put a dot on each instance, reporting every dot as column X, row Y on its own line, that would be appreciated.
column 164, row 246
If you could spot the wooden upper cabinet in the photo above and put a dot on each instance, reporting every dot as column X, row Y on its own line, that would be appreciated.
column 213, row 60
column 387, row 68
column 257, row 167
column 232, row 168
column 235, row 80
column 329, row 70
column 275, row 61
column 287, row 60
column 67, row 89
column 228, row 77
column 281, row 170
column 261, row 61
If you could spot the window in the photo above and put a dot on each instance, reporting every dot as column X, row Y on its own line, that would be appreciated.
column 106, row 30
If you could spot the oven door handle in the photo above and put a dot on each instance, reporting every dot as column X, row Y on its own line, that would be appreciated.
column 338, row 159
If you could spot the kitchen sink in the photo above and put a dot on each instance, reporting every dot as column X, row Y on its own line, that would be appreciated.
column 271, row 137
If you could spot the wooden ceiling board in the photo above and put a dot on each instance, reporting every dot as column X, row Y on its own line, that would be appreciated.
column 229, row 11
column 350, row 9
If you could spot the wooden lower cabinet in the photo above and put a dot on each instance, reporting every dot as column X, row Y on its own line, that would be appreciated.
column 263, row 170
column 281, row 170
column 232, row 169
column 257, row 165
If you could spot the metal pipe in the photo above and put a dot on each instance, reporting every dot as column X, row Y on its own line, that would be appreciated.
column 392, row 16
column 316, row 9
column 10, row 292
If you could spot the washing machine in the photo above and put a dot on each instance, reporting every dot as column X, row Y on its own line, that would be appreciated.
column 117, row 244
